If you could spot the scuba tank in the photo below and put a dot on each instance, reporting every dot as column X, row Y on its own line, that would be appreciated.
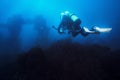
column 72, row 16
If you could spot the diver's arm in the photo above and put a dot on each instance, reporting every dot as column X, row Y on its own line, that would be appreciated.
column 54, row 27
column 60, row 28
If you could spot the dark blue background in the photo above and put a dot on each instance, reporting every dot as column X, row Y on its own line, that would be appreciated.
column 103, row 13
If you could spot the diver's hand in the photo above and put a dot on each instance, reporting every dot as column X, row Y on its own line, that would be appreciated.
column 54, row 27
column 59, row 30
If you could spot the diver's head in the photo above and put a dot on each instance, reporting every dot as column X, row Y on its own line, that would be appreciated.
column 66, row 13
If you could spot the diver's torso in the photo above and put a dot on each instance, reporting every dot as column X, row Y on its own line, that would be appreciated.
column 70, row 21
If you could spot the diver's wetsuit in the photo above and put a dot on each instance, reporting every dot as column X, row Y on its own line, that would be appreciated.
column 72, row 26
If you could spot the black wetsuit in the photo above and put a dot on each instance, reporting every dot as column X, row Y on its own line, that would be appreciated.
column 72, row 27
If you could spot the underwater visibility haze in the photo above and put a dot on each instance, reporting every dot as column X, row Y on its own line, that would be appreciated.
column 35, row 18
column 31, row 49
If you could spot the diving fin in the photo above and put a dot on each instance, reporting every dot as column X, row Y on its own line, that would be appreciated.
column 102, row 30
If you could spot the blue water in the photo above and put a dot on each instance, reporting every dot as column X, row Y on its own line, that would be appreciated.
column 104, row 13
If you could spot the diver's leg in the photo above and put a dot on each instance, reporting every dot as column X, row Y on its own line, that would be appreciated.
column 92, row 31
column 76, row 28
column 85, row 31
column 75, row 31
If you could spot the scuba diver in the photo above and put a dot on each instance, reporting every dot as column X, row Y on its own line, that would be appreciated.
column 71, row 23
